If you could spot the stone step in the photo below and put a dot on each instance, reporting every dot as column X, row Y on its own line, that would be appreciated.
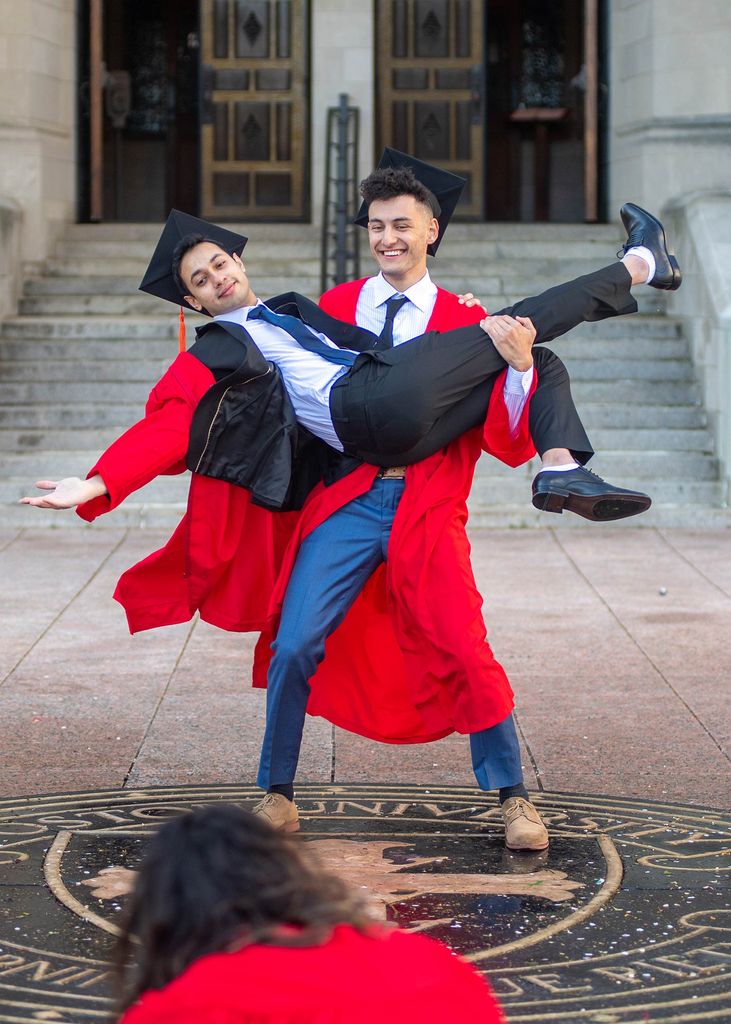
column 164, row 490
column 641, row 416
column 40, row 439
column 39, row 352
column 122, row 273
column 615, row 465
column 522, row 277
column 130, row 515
column 503, row 247
column 629, row 349
column 86, row 415
column 89, row 266
column 55, row 392
column 636, row 391
column 127, row 368
column 664, row 392
column 39, row 327
column 488, row 491
column 645, row 440
column 650, row 302
column 85, row 323
column 150, row 232
column 519, row 515
column 127, row 284
column 496, row 286
column 465, row 258
column 636, row 369
column 37, row 439
column 29, row 439
column 489, row 488
column 165, row 325
column 86, row 369
column 139, row 303
column 659, row 516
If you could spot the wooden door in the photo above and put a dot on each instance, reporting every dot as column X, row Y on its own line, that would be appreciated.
column 429, row 80
column 254, row 117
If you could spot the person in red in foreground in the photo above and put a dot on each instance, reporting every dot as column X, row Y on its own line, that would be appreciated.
column 232, row 923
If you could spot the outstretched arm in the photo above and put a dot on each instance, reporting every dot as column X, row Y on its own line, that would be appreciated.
column 67, row 493
column 155, row 445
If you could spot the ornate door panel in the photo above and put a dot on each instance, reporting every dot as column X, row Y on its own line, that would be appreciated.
column 430, row 76
column 254, row 109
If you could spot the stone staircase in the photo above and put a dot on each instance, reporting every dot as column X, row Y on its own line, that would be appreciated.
column 77, row 364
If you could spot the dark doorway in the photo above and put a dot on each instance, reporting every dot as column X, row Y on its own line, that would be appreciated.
column 535, row 75
column 150, row 134
column 201, row 105
column 501, row 92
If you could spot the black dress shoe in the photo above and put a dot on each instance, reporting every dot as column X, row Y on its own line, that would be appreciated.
column 644, row 229
column 583, row 492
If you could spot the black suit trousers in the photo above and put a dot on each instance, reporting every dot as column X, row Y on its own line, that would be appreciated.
column 398, row 406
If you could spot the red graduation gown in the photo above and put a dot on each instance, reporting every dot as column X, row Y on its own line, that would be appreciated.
column 391, row 977
column 410, row 662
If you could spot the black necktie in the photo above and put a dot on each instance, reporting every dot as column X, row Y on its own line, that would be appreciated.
column 393, row 305
column 303, row 335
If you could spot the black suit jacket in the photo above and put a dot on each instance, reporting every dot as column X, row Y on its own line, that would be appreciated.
column 244, row 429
column 343, row 334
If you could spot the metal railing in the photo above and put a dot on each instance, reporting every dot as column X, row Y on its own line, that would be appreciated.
column 340, row 256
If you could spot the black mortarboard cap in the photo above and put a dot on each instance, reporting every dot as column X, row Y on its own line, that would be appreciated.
column 158, row 279
column 444, row 186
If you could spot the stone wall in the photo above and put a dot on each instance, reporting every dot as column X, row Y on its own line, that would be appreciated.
column 701, row 229
column 670, row 99
column 342, row 62
column 37, row 119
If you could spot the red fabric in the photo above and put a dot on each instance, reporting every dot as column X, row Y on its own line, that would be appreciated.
column 224, row 556
column 410, row 662
column 392, row 978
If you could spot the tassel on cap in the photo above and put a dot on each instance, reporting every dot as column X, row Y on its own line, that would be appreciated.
column 181, row 331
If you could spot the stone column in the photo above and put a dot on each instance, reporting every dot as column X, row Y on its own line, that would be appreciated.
column 37, row 120
column 670, row 151
column 670, row 99
column 342, row 61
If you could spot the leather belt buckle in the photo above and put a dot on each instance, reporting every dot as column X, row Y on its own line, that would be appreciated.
column 392, row 472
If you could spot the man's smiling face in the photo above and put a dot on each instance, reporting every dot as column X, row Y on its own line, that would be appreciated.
column 399, row 231
column 216, row 280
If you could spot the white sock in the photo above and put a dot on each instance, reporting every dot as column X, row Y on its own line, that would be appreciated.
column 646, row 255
column 559, row 469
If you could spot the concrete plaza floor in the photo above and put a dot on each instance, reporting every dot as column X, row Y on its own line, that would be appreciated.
column 617, row 642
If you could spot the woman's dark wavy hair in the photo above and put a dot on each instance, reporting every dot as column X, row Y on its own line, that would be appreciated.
column 220, row 878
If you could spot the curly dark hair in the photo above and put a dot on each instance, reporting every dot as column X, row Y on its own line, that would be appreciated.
column 390, row 182
column 218, row 878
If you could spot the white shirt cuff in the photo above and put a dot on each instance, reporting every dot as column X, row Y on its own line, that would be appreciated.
column 519, row 382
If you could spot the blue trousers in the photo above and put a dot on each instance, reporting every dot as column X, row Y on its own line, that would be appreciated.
column 332, row 567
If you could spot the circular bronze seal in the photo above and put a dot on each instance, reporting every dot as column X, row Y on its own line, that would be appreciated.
column 623, row 919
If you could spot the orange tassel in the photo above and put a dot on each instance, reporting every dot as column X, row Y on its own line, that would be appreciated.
column 181, row 331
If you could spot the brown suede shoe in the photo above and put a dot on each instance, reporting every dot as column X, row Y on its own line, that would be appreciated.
column 524, row 829
column 280, row 812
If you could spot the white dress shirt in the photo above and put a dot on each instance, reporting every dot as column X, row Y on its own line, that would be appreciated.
column 411, row 320
column 307, row 376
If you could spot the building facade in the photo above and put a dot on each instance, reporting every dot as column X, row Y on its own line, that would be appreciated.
column 120, row 109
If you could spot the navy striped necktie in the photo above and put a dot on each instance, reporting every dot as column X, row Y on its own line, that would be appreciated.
column 303, row 335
